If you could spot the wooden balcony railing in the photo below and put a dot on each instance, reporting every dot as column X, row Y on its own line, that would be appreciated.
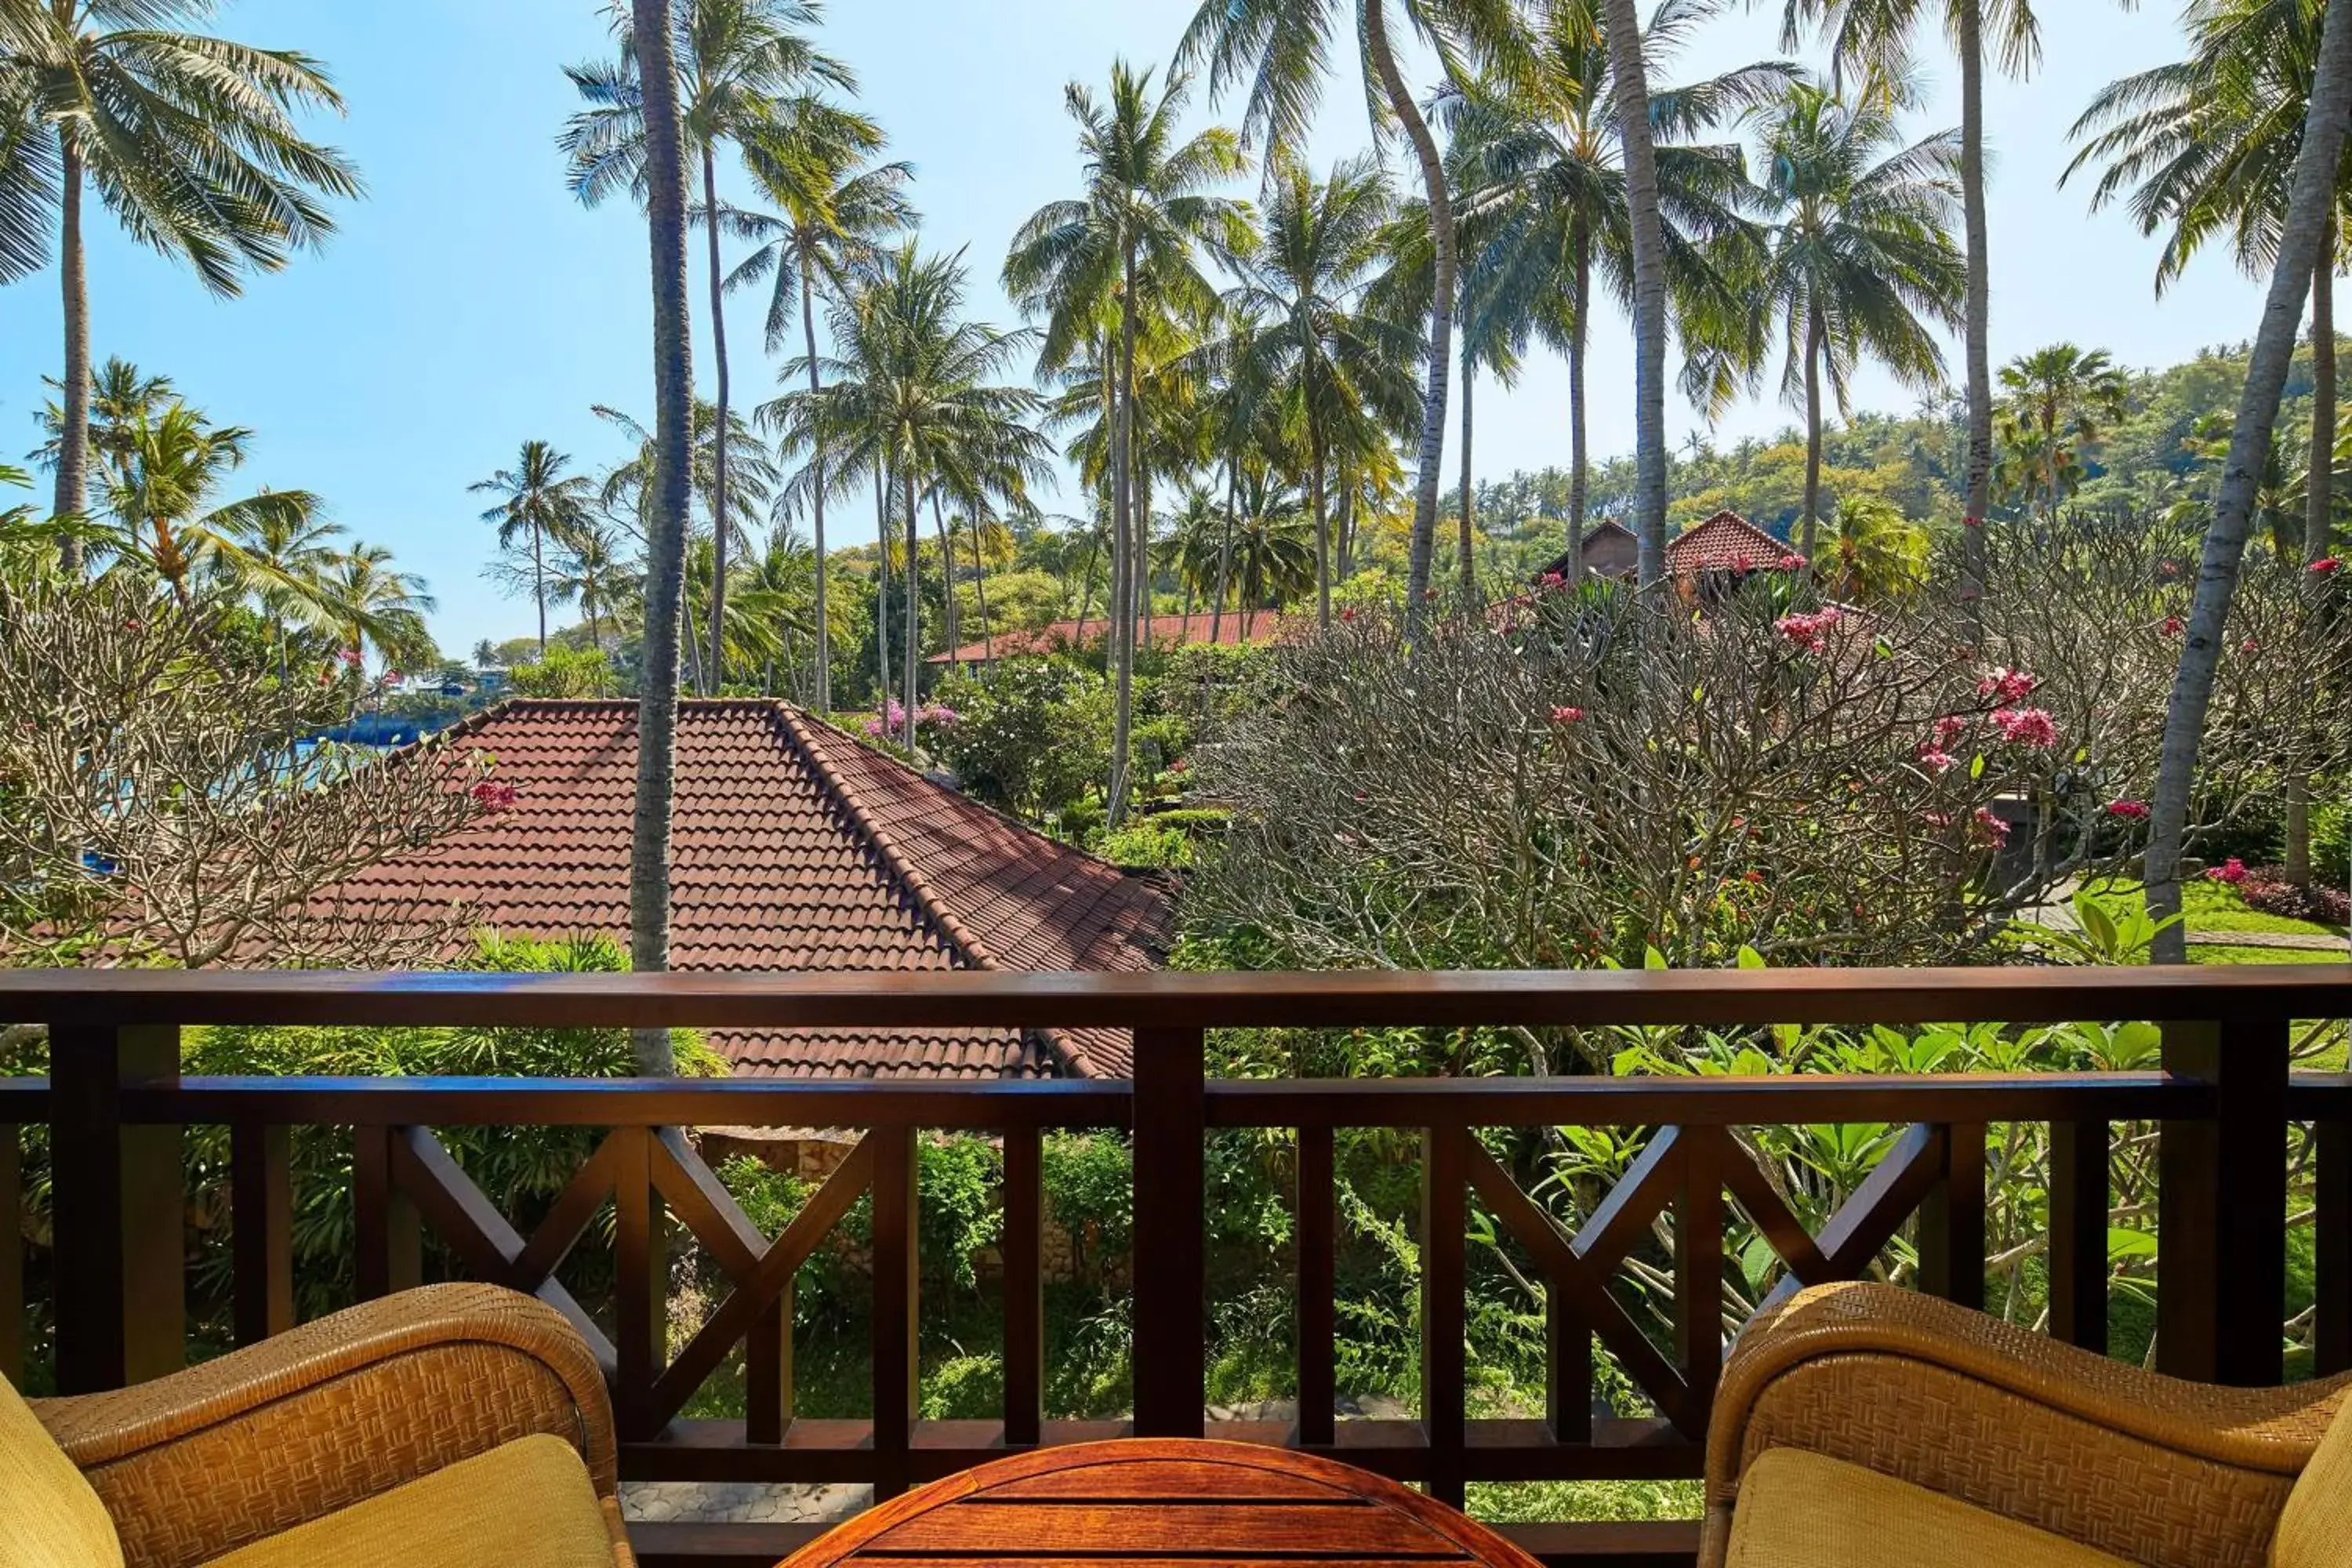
column 117, row 1102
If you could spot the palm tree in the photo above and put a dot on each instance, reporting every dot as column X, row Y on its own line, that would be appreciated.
column 539, row 502
column 1882, row 556
column 1547, row 180
column 1876, row 35
column 737, row 60
column 1331, row 365
column 625, row 493
column 119, row 393
column 167, row 524
column 1646, row 245
column 833, row 214
column 1093, row 267
column 371, row 605
column 283, row 555
column 2058, row 401
column 1857, row 254
column 190, row 139
column 910, row 394
column 1282, row 49
column 1273, row 554
column 592, row 572
column 670, row 495
column 2313, row 197
column 2207, row 147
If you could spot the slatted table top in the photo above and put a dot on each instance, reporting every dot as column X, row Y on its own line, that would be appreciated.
column 1152, row 1501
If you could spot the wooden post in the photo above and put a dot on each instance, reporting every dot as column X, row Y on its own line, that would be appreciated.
column 120, row 1209
column 1022, row 1252
column 640, row 1283
column 2221, row 1206
column 2079, row 1209
column 1171, row 1165
column 1445, row 1248
column 389, row 1240
column 1318, row 1285
column 1952, row 1221
column 262, row 1230
column 2332, row 1274
column 12, row 1257
column 1698, row 1262
column 895, row 1309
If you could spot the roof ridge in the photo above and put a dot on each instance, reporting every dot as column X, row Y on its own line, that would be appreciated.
column 885, row 843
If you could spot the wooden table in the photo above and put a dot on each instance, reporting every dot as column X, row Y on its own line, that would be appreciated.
column 1151, row 1501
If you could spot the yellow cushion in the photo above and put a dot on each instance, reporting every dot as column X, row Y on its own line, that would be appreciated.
column 528, row 1504
column 49, row 1517
column 2316, row 1531
column 1800, row 1511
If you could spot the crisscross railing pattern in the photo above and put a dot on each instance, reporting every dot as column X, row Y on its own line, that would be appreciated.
column 116, row 1104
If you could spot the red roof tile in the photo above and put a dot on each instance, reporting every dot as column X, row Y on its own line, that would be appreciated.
column 1723, row 542
column 1232, row 628
column 795, row 847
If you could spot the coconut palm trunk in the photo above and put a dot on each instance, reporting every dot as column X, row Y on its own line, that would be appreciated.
column 2319, row 497
column 953, row 625
column 1469, row 499
column 1125, row 573
column 1968, row 26
column 1319, row 500
column 2300, row 243
column 2319, row 514
column 1225, row 551
column 1622, row 25
column 73, row 431
column 649, row 888
column 1580, row 242
column 715, row 665
column 538, row 584
column 816, row 495
column 914, row 608
column 1428, row 476
column 882, row 587
column 1812, row 431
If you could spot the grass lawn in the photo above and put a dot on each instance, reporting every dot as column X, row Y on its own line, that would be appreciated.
column 2210, row 906
column 2201, row 953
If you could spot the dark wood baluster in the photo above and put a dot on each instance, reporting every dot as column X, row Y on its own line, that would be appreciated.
column 12, row 1256
column 1444, row 1246
column 2332, row 1274
column 1568, row 1369
column 640, row 1283
column 2080, row 1204
column 1170, row 1280
column 1023, row 1251
column 390, row 1241
column 1952, row 1221
column 1698, row 1262
column 895, row 1309
column 2221, row 1205
column 1318, row 1289
column 262, row 1230
column 118, row 1208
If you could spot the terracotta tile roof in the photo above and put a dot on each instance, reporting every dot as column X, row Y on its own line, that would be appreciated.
column 796, row 847
column 1723, row 542
column 1059, row 637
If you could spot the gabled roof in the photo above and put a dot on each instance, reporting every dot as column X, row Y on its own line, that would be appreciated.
column 1607, row 532
column 1232, row 628
column 1723, row 542
column 793, row 847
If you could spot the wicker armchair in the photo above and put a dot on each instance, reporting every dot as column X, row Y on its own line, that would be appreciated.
column 481, row 1405
column 1859, row 1423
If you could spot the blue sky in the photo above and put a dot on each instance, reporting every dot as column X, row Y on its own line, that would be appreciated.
column 470, row 304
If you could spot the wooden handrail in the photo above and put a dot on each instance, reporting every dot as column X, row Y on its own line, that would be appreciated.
column 1176, row 1001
